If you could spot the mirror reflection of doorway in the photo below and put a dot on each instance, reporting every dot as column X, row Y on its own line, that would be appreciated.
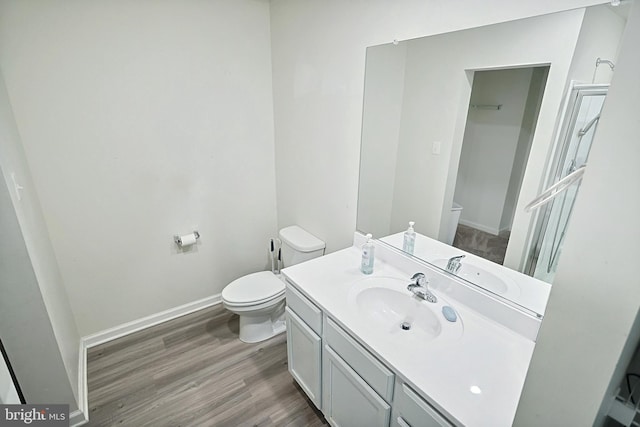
column 502, row 117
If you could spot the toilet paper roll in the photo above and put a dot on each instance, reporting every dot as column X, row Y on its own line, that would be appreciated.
column 186, row 240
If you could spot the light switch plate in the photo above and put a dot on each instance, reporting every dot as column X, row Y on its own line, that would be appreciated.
column 435, row 147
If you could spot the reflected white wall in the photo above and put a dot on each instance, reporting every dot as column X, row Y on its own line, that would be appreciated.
column 489, row 148
column 382, row 112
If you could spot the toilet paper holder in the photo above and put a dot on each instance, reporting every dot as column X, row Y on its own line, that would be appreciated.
column 179, row 239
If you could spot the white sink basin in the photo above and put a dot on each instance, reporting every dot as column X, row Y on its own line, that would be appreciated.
column 390, row 308
column 386, row 303
column 470, row 272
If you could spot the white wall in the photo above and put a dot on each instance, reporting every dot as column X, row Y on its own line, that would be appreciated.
column 381, row 117
column 318, row 68
column 525, row 139
column 599, row 37
column 588, row 333
column 489, row 147
column 29, row 333
column 141, row 120
column 36, row 275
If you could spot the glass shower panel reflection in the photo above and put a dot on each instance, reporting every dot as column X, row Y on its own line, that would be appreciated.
column 582, row 119
column 9, row 390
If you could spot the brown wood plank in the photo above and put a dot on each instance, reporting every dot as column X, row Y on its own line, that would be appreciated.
column 194, row 371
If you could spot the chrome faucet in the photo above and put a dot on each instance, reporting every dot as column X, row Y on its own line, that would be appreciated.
column 454, row 264
column 419, row 288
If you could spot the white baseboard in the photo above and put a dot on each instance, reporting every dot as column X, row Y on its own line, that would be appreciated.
column 504, row 230
column 81, row 416
column 481, row 227
column 78, row 418
column 146, row 322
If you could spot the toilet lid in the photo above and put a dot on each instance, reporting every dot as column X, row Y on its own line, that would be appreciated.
column 253, row 288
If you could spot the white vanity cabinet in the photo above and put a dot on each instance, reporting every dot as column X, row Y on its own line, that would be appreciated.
column 304, row 344
column 343, row 379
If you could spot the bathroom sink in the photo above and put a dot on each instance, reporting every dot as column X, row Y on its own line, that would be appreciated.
column 470, row 272
column 390, row 309
column 386, row 303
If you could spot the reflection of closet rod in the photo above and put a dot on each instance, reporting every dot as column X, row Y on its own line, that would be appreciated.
column 557, row 188
column 486, row 106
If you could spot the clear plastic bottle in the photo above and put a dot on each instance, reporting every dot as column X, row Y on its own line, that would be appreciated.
column 409, row 239
column 368, row 256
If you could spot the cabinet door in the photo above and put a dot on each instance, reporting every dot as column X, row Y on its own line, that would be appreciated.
column 304, row 352
column 348, row 400
column 372, row 371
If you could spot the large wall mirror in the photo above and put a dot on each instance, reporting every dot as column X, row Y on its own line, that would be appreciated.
column 462, row 130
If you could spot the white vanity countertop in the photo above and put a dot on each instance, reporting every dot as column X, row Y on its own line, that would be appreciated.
column 532, row 293
column 487, row 355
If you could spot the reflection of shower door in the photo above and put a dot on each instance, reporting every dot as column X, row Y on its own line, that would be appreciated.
column 10, row 392
column 572, row 151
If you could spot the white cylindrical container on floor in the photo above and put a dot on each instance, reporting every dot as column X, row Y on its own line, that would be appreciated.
column 454, row 218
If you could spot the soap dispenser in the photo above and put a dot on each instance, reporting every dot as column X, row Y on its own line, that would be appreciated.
column 409, row 239
column 368, row 256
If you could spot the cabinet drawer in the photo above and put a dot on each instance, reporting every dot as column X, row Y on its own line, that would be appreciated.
column 410, row 410
column 368, row 367
column 304, row 308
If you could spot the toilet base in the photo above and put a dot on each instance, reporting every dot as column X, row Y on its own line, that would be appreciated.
column 253, row 332
column 256, row 328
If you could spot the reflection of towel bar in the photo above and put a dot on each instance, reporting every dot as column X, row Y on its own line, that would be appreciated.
column 582, row 132
column 486, row 106
column 557, row 188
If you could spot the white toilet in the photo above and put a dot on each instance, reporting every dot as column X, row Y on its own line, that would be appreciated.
column 258, row 298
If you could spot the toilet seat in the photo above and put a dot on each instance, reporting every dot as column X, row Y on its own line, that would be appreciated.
column 253, row 289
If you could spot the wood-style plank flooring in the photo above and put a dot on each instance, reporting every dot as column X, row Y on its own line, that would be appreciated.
column 194, row 371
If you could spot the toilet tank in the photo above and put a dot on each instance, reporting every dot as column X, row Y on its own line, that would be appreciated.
column 299, row 245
